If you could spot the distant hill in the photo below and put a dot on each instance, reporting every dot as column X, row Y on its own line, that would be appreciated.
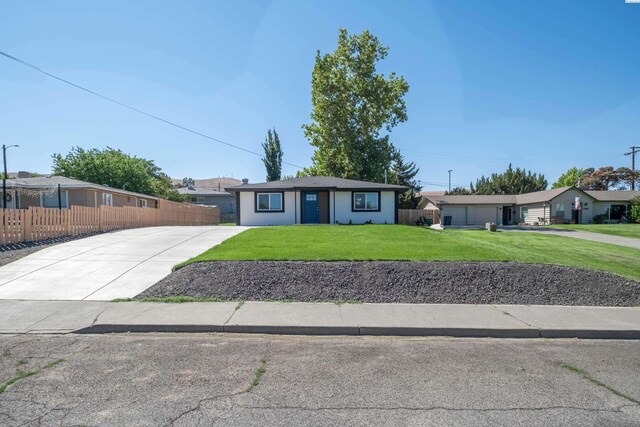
column 211, row 183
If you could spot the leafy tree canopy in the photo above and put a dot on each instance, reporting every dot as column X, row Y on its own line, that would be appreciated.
column 272, row 155
column 354, row 109
column 606, row 178
column 570, row 178
column 116, row 169
column 511, row 181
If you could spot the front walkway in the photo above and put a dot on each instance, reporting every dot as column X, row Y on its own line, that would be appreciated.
column 113, row 265
column 585, row 235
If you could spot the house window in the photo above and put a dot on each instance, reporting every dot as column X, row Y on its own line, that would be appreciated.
column 560, row 209
column 366, row 201
column 617, row 212
column 107, row 199
column 199, row 200
column 269, row 202
column 51, row 200
column 524, row 213
column 142, row 203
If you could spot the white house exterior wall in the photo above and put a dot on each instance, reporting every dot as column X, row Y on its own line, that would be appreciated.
column 249, row 217
column 344, row 214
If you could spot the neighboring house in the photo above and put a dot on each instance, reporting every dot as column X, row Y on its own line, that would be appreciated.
column 425, row 203
column 540, row 207
column 316, row 200
column 204, row 196
column 62, row 192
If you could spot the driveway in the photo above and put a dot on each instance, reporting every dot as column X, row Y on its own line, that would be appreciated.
column 113, row 265
column 585, row 235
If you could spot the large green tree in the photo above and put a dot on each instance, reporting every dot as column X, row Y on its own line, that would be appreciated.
column 116, row 169
column 354, row 109
column 570, row 178
column 511, row 181
column 272, row 155
column 606, row 178
column 404, row 173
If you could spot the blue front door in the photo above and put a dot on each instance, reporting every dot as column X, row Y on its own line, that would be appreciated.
column 311, row 211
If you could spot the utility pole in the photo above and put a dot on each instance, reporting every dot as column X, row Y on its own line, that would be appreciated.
column 632, row 153
column 449, row 179
column 4, row 177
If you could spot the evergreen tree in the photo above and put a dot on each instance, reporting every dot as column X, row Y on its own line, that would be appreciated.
column 511, row 181
column 404, row 173
column 272, row 155
column 459, row 191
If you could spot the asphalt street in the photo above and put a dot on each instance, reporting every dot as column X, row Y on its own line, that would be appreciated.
column 185, row 380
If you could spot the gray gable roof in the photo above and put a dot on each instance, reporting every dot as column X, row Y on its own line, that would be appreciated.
column 66, row 183
column 613, row 196
column 196, row 191
column 527, row 198
column 317, row 182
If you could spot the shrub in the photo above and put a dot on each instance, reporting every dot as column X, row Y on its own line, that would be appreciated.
column 600, row 219
column 635, row 209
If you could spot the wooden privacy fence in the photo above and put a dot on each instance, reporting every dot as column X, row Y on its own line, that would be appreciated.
column 34, row 224
column 410, row 216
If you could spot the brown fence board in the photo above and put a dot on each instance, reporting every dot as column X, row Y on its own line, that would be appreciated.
column 34, row 224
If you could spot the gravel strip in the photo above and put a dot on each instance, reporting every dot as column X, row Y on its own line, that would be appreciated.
column 400, row 282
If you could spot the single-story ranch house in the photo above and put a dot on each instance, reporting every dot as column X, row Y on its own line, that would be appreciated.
column 316, row 200
column 206, row 196
column 62, row 192
column 560, row 205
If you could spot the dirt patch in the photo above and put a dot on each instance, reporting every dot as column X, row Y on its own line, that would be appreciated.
column 400, row 282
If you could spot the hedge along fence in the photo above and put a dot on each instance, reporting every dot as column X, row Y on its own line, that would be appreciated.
column 35, row 224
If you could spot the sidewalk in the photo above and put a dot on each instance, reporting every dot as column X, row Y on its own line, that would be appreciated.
column 499, row 321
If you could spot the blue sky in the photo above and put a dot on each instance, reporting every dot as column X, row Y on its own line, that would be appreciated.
column 545, row 85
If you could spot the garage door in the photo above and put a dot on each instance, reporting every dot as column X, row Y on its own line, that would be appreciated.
column 484, row 214
column 458, row 215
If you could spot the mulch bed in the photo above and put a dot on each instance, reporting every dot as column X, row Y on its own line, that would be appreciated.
column 400, row 282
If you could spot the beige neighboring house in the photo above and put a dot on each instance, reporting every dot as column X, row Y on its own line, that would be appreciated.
column 62, row 192
column 560, row 205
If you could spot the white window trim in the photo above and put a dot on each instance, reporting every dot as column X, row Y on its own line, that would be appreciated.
column 110, row 199
column 257, row 201
column 366, row 194
column 142, row 203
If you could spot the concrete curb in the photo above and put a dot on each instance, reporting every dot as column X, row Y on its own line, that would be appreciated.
column 417, row 320
column 528, row 333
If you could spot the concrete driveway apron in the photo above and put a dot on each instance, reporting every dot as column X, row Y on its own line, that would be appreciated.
column 584, row 235
column 107, row 266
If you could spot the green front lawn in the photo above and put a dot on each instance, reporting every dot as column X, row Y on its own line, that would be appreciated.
column 398, row 242
column 624, row 230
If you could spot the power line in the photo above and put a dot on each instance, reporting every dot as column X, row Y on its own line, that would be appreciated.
column 122, row 104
